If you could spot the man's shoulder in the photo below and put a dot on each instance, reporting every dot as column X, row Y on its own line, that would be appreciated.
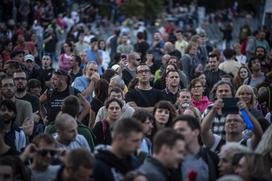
column 20, row 102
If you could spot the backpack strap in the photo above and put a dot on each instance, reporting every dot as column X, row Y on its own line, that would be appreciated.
column 104, row 128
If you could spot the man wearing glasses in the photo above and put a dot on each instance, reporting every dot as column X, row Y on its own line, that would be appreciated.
column 42, row 150
column 145, row 96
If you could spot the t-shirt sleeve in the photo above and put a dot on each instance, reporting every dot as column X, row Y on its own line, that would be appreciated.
column 78, row 84
column 130, row 96
column 216, row 140
column 84, row 143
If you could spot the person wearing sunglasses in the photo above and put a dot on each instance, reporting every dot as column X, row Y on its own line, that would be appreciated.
column 129, row 71
column 42, row 151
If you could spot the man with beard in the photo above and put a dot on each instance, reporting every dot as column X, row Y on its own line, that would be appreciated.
column 14, row 136
column 257, row 76
column 54, row 97
column 20, row 81
column 170, row 93
column 261, row 54
column 129, row 71
column 23, row 108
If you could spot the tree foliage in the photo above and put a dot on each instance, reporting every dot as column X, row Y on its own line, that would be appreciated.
column 145, row 9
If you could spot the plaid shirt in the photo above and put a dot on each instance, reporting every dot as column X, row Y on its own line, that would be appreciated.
column 218, row 122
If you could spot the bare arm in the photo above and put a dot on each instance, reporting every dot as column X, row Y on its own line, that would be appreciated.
column 257, row 129
column 134, row 105
column 206, row 133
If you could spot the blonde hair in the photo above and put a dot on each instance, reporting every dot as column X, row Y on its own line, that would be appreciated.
column 247, row 88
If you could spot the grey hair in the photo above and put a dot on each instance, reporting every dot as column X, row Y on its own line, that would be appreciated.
column 230, row 178
column 62, row 119
column 234, row 148
column 118, row 81
column 265, row 145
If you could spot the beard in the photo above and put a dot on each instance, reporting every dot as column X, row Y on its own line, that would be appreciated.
column 21, row 89
column 7, row 118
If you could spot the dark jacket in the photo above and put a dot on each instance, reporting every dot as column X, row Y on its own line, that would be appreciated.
column 154, row 170
column 111, row 168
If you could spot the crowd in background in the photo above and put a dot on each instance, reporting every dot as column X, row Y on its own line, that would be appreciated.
column 84, row 97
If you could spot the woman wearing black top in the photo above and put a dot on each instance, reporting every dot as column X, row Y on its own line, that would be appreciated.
column 102, row 129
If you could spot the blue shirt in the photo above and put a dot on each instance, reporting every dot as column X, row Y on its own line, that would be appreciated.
column 91, row 56
column 81, row 83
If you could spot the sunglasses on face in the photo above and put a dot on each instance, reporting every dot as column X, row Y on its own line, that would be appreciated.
column 45, row 152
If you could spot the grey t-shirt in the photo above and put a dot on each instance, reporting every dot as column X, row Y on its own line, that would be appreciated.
column 48, row 175
column 192, row 162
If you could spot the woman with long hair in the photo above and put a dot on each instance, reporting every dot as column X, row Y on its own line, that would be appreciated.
column 242, row 75
column 101, row 93
column 102, row 129
column 65, row 57
column 164, row 112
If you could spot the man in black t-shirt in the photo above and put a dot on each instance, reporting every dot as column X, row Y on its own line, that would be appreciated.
column 144, row 96
column 46, row 72
column 56, row 95
column 20, row 81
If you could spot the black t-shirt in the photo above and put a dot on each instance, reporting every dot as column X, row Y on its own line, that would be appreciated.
column 102, row 132
column 33, row 100
column 96, row 104
column 144, row 98
column 168, row 96
column 55, row 100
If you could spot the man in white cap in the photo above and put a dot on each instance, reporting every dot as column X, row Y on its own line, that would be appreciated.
column 32, row 67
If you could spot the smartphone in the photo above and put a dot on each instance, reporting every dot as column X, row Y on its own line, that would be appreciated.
column 123, row 57
column 230, row 105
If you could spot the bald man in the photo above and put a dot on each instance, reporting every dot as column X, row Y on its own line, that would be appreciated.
column 67, row 136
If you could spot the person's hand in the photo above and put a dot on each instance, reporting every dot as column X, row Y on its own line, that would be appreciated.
column 43, row 97
column 242, row 105
column 218, row 105
column 95, row 77
column 29, row 151
column 61, row 152
column 28, row 126
column 36, row 117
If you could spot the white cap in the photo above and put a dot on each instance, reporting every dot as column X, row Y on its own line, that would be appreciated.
column 115, row 67
column 29, row 57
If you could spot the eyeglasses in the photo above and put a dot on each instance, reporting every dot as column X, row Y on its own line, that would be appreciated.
column 234, row 121
column 197, row 87
column 143, row 71
column 45, row 152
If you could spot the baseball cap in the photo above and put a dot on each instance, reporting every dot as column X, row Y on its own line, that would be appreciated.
column 115, row 67
column 29, row 57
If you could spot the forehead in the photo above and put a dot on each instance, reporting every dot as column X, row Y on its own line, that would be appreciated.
column 223, row 87
column 115, row 93
column 243, row 69
column 114, row 104
column 91, row 65
column 46, row 57
column 184, row 93
column 142, row 67
column 234, row 116
column 7, row 81
column 181, row 124
column 173, row 74
column 19, row 74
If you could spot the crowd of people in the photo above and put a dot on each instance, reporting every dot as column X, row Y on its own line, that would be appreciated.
column 76, row 104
